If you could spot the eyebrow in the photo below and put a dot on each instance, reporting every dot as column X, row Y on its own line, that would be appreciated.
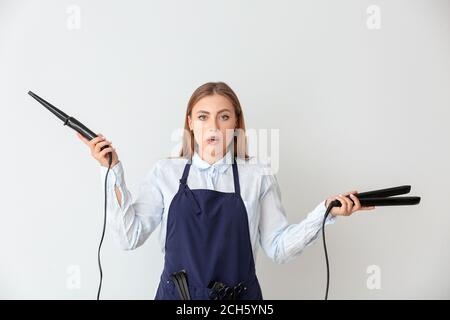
column 203, row 111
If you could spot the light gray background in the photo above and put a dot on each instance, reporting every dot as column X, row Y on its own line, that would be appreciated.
column 356, row 109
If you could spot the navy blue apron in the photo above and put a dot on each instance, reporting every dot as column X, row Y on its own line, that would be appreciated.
column 208, row 238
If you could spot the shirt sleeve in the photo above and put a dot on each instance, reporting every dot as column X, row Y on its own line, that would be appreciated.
column 132, row 222
column 282, row 241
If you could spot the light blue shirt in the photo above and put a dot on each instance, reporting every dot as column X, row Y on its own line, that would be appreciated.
column 133, row 220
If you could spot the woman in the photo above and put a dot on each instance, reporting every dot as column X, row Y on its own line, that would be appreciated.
column 214, row 203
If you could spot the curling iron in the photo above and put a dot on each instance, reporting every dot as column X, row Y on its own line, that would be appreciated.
column 88, row 134
column 67, row 120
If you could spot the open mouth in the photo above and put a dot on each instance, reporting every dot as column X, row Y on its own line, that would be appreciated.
column 213, row 140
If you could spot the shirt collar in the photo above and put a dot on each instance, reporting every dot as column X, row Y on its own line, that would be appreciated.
column 221, row 164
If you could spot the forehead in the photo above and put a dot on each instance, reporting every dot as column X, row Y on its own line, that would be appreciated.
column 213, row 103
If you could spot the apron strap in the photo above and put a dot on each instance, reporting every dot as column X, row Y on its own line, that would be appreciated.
column 183, row 179
column 185, row 188
column 237, row 188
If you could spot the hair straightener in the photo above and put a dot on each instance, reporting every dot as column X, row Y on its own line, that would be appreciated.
column 381, row 197
column 88, row 134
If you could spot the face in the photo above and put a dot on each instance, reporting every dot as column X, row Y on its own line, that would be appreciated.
column 213, row 120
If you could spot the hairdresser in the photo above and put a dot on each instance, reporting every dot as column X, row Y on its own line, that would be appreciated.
column 215, row 204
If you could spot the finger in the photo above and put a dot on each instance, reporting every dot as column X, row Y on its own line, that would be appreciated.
column 357, row 203
column 96, row 140
column 100, row 145
column 347, row 196
column 105, row 151
column 367, row 208
column 349, row 205
column 350, row 192
column 349, row 202
column 343, row 204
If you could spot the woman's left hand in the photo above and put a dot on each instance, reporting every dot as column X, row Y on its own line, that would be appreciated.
column 347, row 206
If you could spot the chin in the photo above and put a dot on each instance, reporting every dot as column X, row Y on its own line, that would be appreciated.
column 213, row 148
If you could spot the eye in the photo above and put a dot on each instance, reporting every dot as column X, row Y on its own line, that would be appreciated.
column 225, row 117
column 201, row 117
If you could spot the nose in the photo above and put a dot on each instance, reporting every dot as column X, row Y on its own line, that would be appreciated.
column 213, row 124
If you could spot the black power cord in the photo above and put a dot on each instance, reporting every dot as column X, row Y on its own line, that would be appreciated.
column 330, row 206
column 104, row 227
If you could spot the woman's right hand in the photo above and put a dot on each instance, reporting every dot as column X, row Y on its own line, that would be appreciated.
column 101, row 155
